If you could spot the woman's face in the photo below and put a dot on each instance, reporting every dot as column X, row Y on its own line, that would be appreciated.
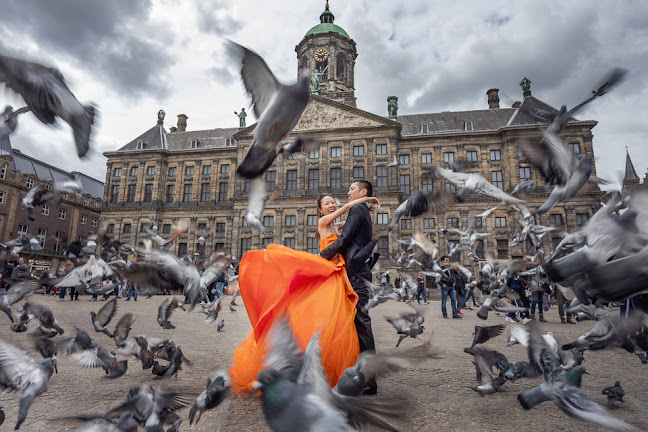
column 328, row 205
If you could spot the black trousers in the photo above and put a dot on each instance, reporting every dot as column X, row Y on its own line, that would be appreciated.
column 362, row 319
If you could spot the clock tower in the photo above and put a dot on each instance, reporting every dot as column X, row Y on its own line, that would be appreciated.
column 329, row 52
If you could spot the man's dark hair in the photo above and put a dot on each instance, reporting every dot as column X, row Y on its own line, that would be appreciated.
column 444, row 257
column 364, row 184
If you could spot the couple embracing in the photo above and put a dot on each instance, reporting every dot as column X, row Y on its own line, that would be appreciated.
column 324, row 293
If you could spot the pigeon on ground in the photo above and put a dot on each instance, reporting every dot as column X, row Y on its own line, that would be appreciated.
column 102, row 319
column 165, row 310
column 88, row 354
column 221, row 325
column 19, row 371
column 277, row 107
column 95, row 423
column 216, row 391
column 519, row 370
column 482, row 334
column 44, row 315
column 421, row 202
column 488, row 383
column 14, row 294
column 232, row 308
column 48, row 96
column 562, row 387
column 614, row 393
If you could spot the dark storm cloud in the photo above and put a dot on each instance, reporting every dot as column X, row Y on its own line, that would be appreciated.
column 112, row 39
column 215, row 18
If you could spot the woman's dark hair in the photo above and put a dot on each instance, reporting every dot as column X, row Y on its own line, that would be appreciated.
column 319, row 200
column 364, row 184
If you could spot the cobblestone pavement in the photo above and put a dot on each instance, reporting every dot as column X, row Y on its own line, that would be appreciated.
column 436, row 392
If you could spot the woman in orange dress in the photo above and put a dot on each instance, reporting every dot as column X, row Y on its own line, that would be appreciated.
column 314, row 293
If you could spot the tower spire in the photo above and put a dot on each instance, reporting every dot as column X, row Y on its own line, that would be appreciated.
column 630, row 173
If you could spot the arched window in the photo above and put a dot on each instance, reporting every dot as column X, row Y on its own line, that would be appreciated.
column 3, row 171
column 341, row 66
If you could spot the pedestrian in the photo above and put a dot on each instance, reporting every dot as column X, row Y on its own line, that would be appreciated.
column 562, row 308
column 470, row 293
column 448, row 288
column 460, row 287
column 21, row 272
column 517, row 284
column 133, row 288
column 420, row 289
column 65, row 271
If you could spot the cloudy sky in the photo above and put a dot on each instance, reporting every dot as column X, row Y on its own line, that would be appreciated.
column 134, row 57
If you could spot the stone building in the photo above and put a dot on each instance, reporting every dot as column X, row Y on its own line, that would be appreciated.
column 164, row 176
column 56, row 224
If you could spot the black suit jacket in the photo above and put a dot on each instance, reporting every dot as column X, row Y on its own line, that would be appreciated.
column 355, row 243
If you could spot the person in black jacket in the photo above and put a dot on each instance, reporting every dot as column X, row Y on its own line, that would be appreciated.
column 448, row 275
column 352, row 244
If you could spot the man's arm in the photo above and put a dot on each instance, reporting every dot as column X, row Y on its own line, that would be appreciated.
column 348, row 233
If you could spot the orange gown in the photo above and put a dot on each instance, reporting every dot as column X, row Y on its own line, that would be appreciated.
column 314, row 293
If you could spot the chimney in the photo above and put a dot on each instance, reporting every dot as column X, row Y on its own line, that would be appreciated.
column 182, row 122
column 493, row 98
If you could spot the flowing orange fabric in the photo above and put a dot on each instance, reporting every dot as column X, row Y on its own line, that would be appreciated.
column 314, row 293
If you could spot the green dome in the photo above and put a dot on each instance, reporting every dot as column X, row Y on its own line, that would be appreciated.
column 326, row 25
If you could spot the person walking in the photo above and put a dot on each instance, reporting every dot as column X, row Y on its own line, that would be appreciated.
column 516, row 283
column 470, row 293
column 133, row 289
column 420, row 289
column 448, row 288
column 562, row 308
column 66, row 271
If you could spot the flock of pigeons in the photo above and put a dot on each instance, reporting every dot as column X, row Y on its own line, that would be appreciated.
column 295, row 391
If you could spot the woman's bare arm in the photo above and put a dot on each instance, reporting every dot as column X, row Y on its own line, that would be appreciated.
column 327, row 219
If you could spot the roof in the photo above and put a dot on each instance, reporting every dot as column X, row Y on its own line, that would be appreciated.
column 154, row 138
column 158, row 138
column 326, row 25
column 46, row 173
column 630, row 173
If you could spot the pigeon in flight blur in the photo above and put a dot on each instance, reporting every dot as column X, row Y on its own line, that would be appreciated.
column 421, row 202
column 277, row 107
column 472, row 182
column 483, row 334
column 408, row 324
column 72, row 186
column 9, row 121
column 101, row 319
column 614, row 393
column 577, row 179
column 46, row 94
column 36, row 196
column 14, row 294
column 393, row 163
column 216, row 391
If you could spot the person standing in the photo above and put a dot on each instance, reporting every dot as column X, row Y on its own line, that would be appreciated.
column 420, row 289
column 517, row 284
column 20, row 272
column 66, row 271
column 562, row 308
column 448, row 288
column 133, row 289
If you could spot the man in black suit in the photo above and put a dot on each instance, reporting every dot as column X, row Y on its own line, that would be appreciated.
column 355, row 244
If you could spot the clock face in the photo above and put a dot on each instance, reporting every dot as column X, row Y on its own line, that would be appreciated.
column 321, row 54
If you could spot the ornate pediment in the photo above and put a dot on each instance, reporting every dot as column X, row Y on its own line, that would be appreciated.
column 321, row 115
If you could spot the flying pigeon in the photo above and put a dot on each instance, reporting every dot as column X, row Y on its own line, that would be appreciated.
column 277, row 107
column 472, row 182
column 101, row 319
column 14, row 294
column 216, row 391
column 483, row 334
column 36, row 196
column 46, row 94
column 421, row 202
column 408, row 324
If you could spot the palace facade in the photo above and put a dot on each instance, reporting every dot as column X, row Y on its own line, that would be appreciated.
column 163, row 176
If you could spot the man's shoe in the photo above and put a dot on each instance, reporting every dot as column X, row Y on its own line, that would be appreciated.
column 541, row 319
column 526, row 320
column 93, row 299
column 457, row 316
column 427, row 302
column 562, row 321
column 509, row 319
column 233, row 303
column 127, row 299
column 445, row 316
column 460, row 313
column 569, row 321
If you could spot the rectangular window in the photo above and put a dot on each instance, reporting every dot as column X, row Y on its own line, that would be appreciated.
column 246, row 185
column 477, row 222
column 204, row 192
column 520, row 153
column 525, row 174
column 426, row 158
column 30, row 183
column 206, row 170
column 448, row 157
column 449, row 187
column 495, row 155
column 358, row 150
column 383, row 246
column 555, row 219
column 222, row 191
column 114, row 193
column 500, row 222
column 86, row 201
column 126, row 229
column 405, row 184
column 22, row 230
column 182, row 249
column 291, row 221
column 311, row 220
column 268, row 221
column 336, row 151
column 479, row 248
column 170, row 192
column 133, row 171
column 496, row 177
column 166, row 229
column 502, row 249
column 150, row 171
column 581, row 219
column 186, row 194
column 291, row 180
column 336, row 178
column 219, row 246
column 575, row 147
column 117, row 172
column 314, row 154
column 94, row 222
column 381, row 176
column 428, row 223
column 130, row 196
column 224, row 169
column 110, row 230
column 358, row 172
column 471, row 156
column 427, row 185
column 406, row 224
column 189, row 170
column 42, row 234
column 313, row 179
column 383, row 219
column 148, row 192
column 271, row 177
column 424, row 128
column 84, row 219
column 289, row 242
column 403, row 159
column 453, row 223
column 312, row 245
column 172, row 172
column 45, row 211
column 381, row 149
column 220, row 227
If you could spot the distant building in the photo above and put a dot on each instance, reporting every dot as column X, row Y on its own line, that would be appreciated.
column 162, row 176
column 56, row 224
